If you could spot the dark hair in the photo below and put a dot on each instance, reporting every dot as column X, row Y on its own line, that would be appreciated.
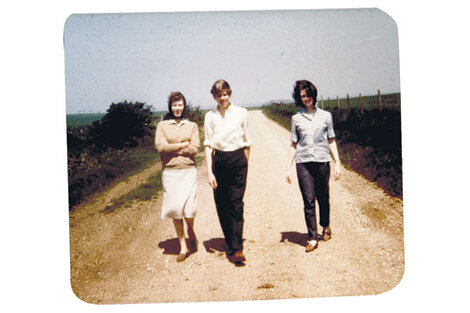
column 173, row 97
column 307, row 86
column 220, row 85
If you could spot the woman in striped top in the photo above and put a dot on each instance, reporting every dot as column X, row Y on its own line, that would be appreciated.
column 312, row 144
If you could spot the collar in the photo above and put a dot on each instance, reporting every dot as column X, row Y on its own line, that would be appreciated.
column 303, row 111
column 217, row 111
column 173, row 122
column 229, row 109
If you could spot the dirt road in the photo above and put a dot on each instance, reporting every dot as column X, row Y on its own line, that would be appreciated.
column 129, row 256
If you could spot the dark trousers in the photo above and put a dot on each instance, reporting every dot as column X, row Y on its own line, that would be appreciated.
column 230, row 171
column 314, row 184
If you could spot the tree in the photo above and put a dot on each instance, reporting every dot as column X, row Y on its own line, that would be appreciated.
column 124, row 125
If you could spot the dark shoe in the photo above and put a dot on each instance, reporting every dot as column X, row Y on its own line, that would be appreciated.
column 312, row 245
column 239, row 256
column 326, row 234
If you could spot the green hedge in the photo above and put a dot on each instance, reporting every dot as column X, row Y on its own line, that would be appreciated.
column 368, row 143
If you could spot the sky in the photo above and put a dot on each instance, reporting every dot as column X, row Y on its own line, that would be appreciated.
column 111, row 58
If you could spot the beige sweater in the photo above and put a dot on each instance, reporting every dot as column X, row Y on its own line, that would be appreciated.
column 167, row 138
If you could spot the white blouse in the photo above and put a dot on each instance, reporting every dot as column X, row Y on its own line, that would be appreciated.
column 228, row 133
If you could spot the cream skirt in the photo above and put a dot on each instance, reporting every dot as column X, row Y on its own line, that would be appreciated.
column 179, row 193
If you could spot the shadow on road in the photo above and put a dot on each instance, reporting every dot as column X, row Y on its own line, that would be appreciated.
column 170, row 246
column 215, row 244
column 218, row 244
column 295, row 237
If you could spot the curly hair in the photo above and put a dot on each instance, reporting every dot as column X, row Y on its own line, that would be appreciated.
column 173, row 97
column 220, row 85
column 304, row 85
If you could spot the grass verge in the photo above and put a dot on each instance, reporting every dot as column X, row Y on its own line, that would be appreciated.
column 144, row 192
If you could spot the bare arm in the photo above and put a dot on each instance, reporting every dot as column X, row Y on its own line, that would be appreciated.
column 290, row 162
column 246, row 150
column 334, row 152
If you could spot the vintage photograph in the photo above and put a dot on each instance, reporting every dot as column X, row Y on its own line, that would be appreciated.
column 233, row 155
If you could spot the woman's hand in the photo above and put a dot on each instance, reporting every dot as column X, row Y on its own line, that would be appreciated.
column 211, row 180
column 183, row 144
column 289, row 176
column 290, row 164
column 338, row 170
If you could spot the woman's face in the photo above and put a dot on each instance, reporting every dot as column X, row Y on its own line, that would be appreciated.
column 223, row 98
column 306, row 99
column 177, row 108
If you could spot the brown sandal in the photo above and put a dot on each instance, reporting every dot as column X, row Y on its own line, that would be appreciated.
column 181, row 257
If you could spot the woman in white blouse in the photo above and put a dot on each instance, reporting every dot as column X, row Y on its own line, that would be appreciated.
column 227, row 145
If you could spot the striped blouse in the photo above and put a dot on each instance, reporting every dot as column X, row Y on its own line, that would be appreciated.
column 311, row 132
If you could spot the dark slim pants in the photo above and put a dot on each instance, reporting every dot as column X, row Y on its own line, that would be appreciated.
column 230, row 171
column 314, row 184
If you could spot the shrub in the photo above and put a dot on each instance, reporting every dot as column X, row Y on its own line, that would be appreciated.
column 368, row 143
column 121, row 142
column 124, row 125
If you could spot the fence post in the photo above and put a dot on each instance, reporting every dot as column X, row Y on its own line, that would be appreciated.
column 360, row 103
column 321, row 102
column 349, row 103
column 328, row 103
column 339, row 105
column 380, row 99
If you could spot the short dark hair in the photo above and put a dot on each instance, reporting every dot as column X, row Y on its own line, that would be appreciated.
column 220, row 85
column 173, row 97
column 307, row 86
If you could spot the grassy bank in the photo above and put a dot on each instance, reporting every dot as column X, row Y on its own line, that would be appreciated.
column 90, row 173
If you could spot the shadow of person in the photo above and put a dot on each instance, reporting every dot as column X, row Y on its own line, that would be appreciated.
column 295, row 237
column 170, row 246
column 218, row 244
column 215, row 244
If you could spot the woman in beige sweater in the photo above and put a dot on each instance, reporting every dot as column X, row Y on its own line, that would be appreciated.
column 177, row 141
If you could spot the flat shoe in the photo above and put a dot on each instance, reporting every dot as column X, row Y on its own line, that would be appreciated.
column 312, row 245
column 181, row 257
column 326, row 235
column 239, row 256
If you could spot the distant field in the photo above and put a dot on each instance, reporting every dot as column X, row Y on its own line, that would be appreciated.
column 85, row 119
column 369, row 102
